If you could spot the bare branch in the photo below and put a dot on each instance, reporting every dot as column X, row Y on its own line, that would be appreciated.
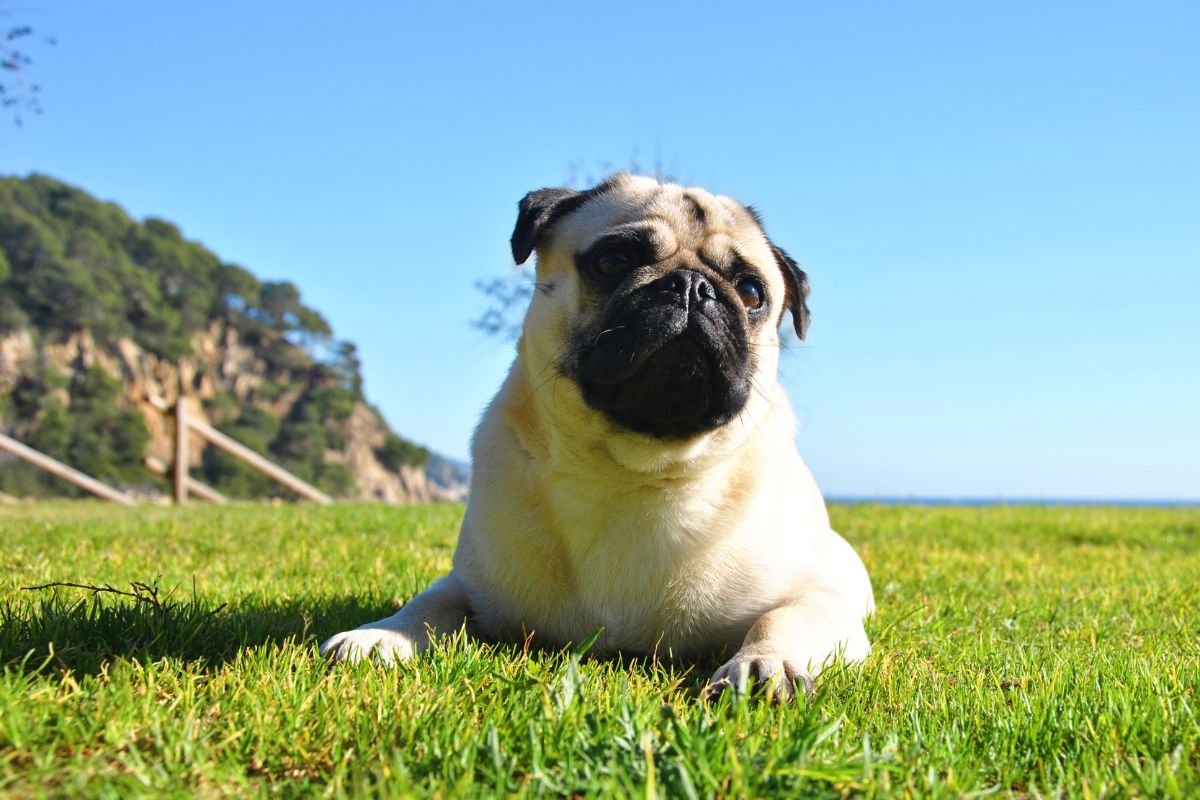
column 17, row 92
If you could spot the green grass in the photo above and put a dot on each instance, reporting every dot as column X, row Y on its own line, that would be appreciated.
column 1018, row 651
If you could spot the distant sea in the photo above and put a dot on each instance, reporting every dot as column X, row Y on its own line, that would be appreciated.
column 1014, row 501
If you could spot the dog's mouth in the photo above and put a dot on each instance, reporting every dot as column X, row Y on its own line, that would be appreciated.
column 667, row 372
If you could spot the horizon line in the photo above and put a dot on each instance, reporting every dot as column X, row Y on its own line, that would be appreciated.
column 968, row 500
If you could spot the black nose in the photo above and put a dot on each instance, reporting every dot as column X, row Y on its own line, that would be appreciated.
column 688, row 287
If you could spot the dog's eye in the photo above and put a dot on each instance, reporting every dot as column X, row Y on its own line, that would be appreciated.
column 614, row 262
column 751, row 292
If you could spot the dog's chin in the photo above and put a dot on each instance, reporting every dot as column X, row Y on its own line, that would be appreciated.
column 679, row 390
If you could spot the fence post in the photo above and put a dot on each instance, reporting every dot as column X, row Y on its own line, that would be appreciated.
column 181, row 448
column 185, row 484
column 195, row 488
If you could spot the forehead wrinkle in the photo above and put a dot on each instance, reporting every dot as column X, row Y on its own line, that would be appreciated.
column 723, row 248
column 714, row 252
column 656, row 230
column 729, row 255
column 736, row 210
column 696, row 207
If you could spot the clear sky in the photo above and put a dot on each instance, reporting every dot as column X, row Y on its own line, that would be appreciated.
column 998, row 204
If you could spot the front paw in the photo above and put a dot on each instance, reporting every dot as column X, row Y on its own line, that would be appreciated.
column 380, row 644
column 775, row 675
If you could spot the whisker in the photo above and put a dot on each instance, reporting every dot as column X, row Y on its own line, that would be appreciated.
column 552, row 364
column 762, row 392
column 608, row 330
column 553, row 377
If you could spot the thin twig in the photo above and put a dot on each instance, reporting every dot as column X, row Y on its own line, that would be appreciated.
column 93, row 589
column 142, row 592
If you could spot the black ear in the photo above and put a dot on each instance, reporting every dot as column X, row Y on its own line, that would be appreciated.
column 536, row 210
column 797, row 288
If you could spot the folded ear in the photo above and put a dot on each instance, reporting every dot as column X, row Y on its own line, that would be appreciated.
column 535, row 212
column 797, row 288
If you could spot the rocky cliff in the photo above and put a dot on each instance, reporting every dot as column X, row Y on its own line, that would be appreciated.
column 222, row 368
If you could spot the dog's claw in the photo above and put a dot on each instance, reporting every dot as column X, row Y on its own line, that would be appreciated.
column 777, row 677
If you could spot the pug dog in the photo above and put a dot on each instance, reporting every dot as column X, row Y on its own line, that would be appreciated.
column 637, row 474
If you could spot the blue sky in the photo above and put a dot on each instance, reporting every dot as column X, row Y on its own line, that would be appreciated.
column 998, row 204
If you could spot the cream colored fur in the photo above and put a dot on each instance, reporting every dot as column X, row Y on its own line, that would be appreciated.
column 716, row 544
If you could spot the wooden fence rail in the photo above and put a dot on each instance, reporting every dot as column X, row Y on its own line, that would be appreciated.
column 43, row 461
column 184, row 484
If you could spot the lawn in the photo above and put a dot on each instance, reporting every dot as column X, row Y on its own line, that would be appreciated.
column 1019, row 651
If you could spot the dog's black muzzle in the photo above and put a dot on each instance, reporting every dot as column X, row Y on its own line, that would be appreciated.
column 670, row 359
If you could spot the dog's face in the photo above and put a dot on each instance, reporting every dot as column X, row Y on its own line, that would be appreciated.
column 662, row 304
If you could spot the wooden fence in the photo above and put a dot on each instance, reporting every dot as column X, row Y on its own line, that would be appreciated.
column 184, row 423
column 184, row 485
column 54, row 467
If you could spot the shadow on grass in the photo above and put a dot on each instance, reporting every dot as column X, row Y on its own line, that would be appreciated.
column 78, row 629
column 81, row 629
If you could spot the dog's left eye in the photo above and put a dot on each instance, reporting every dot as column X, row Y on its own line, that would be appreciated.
column 751, row 292
column 614, row 262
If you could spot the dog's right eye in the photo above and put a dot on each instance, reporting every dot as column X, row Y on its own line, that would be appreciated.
column 751, row 292
column 613, row 263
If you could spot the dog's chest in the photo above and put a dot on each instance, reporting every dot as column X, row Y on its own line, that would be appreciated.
column 648, row 598
column 654, row 575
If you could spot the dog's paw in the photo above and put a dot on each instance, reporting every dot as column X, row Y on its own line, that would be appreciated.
column 776, row 676
column 380, row 644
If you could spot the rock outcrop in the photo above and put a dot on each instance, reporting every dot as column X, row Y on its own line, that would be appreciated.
column 221, row 366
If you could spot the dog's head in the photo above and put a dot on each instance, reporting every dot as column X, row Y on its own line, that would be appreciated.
column 662, row 303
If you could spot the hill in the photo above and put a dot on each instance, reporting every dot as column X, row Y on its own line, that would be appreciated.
column 99, row 313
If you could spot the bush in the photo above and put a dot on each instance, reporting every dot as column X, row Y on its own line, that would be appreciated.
column 397, row 452
column 92, row 433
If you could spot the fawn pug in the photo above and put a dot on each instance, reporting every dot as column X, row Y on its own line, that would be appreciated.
column 637, row 470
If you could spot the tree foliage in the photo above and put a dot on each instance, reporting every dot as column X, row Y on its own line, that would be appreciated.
column 82, row 423
column 74, row 263
column 397, row 452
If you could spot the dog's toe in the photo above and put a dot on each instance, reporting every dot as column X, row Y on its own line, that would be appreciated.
column 777, row 677
column 384, row 646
